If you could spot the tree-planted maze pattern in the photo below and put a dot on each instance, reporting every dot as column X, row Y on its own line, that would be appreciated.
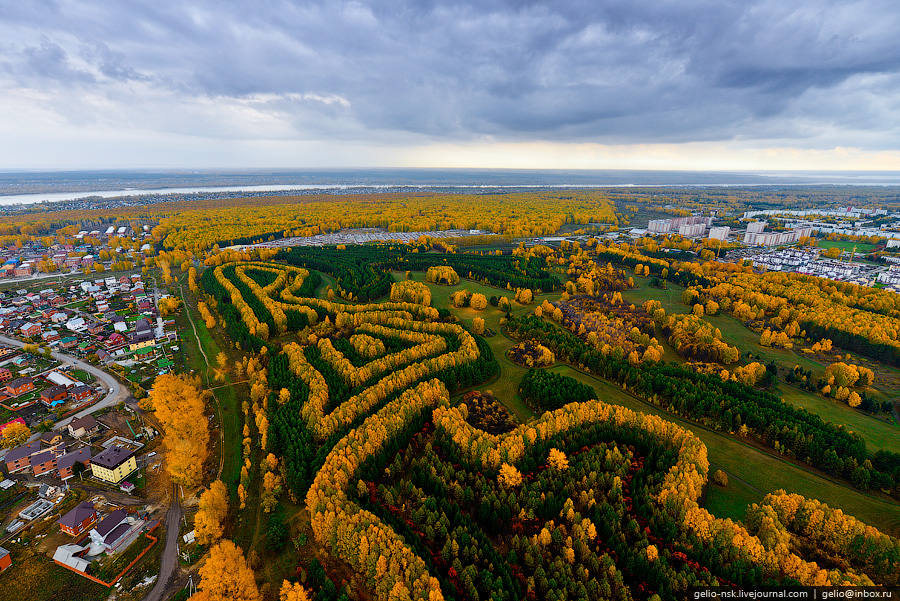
column 587, row 501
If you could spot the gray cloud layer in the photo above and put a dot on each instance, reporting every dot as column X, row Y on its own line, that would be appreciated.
column 816, row 73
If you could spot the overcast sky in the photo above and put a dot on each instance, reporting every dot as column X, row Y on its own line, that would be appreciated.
column 681, row 84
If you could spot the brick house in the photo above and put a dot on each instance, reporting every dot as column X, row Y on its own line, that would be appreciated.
column 43, row 463
column 30, row 329
column 20, row 458
column 115, row 342
column 55, row 395
column 66, row 463
column 79, row 393
column 79, row 519
column 19, row 386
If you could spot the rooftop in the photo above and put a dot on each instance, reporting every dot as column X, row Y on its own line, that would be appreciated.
column 23, row 451
column 87, row 422
column 112, row 457
column 68, row 460
column 78, row 515
column 109, row 523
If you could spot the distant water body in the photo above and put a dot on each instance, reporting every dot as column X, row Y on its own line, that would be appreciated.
column 36, row 187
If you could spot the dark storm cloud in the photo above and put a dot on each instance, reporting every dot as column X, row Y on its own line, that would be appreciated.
column 606, row 71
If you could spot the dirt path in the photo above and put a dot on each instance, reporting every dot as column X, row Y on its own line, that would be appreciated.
column 169, row 563
column 211, row 389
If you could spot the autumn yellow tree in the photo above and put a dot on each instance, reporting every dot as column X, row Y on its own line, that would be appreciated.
column 478, row 325
column 509, row 476
column 169, row 305
column 226, row 576
column 208, row 318
column 208, row 523
column 558, row 460
column 478, row 301
column 14, row 435
column 524, row 296
column 294, row 592
column 179, row 408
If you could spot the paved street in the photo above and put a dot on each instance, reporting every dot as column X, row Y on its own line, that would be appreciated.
column 116, row 392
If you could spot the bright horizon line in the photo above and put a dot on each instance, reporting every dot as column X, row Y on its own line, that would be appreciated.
column 226, row 169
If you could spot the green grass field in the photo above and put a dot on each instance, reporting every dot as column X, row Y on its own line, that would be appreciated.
column 878, row 433
column 846, row 245
column 230, row 418
column 506, row 386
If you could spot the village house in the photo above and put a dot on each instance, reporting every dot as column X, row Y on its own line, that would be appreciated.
column 114, row 464
column 30, row 329
column 83, row 426
column 80, row 393
column 115, row 342
column 141, row 340
column 20, row 458
column 66, row 463
column 79, row 519
column 43, row 463
column 55, row 395
column 111, row 530
column 51, row 439
column 76, row 324
column 119, row 324
column 19, row 386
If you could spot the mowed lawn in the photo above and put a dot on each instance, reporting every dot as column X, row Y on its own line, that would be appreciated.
column 878, row 433
column 846, row 245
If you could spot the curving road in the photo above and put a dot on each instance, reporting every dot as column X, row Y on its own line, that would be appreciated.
column 116, row 394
